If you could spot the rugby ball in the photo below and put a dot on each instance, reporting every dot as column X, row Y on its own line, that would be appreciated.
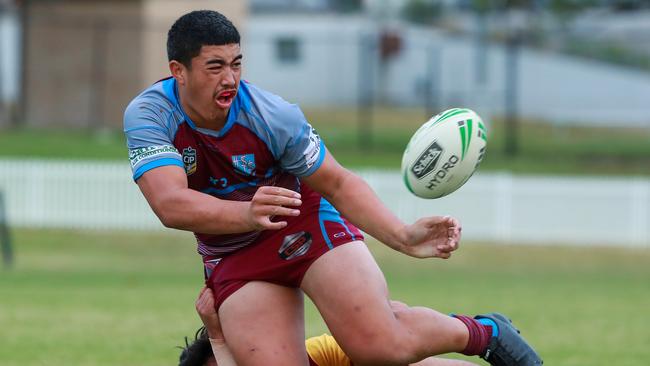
column 444, row 153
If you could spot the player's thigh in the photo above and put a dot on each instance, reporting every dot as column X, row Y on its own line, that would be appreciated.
column 264, row 325
column 351, row 294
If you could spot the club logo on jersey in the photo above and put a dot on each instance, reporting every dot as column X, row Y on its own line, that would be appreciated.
column 189, row 159
column 295, row 245
column 244, row 164
column 312, row 152
column 427, row 161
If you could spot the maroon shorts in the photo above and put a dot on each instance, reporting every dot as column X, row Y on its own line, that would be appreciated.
column 281, row 257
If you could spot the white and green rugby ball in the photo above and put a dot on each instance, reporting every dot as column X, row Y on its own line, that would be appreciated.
column 444, row 153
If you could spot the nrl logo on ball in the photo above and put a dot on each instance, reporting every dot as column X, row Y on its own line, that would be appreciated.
column 427, row 161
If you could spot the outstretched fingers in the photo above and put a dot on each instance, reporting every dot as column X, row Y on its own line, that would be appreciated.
column 449, row 241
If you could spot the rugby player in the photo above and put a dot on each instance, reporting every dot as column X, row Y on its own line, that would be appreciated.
column 275, row 216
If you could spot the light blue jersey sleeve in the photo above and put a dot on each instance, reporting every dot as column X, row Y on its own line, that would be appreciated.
column 295, row 143
column 304, row 151
column 149, row 134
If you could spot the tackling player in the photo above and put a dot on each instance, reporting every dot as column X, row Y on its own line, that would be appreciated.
column 274, row 215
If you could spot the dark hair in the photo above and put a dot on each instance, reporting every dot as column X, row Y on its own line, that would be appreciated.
column 196, row 29
column 198, row 352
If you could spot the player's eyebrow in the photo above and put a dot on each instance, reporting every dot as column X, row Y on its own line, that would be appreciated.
column 220, row 61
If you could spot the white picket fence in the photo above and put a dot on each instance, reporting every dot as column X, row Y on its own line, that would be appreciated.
column 493, row 207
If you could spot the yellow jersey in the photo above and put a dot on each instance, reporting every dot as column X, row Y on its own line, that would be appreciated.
column 324, row 351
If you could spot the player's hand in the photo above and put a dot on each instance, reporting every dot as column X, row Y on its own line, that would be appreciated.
column 208, row 314
column 269, row 202
column 436, row 236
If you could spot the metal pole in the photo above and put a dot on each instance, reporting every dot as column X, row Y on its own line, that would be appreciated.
column 434, row 70
column 365, row 85
column 511, row 97
column 25, row 24
column 5, row 238
column 480, row 58
column 98, row 86
column 3, row 102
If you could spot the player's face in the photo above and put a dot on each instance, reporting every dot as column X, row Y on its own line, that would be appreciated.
column 213, row 80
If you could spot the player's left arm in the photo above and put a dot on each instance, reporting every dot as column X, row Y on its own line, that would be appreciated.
column 435, row 236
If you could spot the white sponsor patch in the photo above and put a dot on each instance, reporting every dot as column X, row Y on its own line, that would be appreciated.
column 312, row 152
column 137, row 155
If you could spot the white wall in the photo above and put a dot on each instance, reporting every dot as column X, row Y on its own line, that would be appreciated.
column 327, row 73
column 492, row 207
column 552, row 87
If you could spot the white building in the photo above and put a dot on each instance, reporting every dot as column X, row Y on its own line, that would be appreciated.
column 328, row 60
column 333, row 60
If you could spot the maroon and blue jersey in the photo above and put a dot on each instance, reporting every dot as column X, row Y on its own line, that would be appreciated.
column 266, row 141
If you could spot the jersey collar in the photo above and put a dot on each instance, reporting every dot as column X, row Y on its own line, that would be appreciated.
column 170, row 88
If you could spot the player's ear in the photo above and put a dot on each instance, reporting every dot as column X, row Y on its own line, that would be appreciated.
column 177, row 70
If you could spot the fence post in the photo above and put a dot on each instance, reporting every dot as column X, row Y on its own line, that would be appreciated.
column 503, row 207
column 639, row 195
column 5, row 238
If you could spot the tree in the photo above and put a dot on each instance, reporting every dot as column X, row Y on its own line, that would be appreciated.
column 347, row 6
column 422, row 11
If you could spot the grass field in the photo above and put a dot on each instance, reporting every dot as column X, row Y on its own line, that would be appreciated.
column 544, row 148
column 95, row 298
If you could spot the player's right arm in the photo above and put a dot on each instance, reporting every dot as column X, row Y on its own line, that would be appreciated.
column 180, row 207
column 165, row 189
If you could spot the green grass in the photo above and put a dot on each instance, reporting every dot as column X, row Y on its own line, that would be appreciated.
column 63, row 144
column 96, row 298
column 543, row 148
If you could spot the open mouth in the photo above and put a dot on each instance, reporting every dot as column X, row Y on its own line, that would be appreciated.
column 225, row 98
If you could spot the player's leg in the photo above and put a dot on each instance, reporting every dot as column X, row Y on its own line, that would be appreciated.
column 436, row 361
column 263, row 324
column 430, row 361
column 350, row 291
